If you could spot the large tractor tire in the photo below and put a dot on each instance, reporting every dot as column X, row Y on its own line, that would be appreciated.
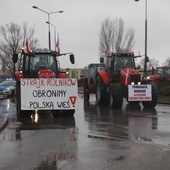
column 86, row 90
column 101, row 94
column 115, row 96
column 86, row 95
column 153, row 103
column 18, row 100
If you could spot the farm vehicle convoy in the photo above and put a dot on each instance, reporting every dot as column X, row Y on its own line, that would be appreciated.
column 42, row 86
column 118, row 79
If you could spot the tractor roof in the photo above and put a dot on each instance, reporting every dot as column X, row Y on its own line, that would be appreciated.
column 123, row 54
column 44, row 52
column 96, row 64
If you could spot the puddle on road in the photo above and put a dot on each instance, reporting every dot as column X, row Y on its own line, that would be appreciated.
column 65, row 151
column 133, row 122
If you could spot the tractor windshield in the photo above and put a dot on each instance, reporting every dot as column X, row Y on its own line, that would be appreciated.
column 36, row 62
column 123, row 62
column 94, row 69
column 43, row 61
column 159, row 71
column 164, row 71
column 168, row 71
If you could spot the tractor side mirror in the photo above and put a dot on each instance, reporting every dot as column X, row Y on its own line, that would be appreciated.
column 101, row 60
column 72, row 60
column 15, row 57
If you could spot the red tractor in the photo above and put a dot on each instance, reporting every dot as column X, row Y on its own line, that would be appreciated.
column 160, row 73
column 160, row 76
column 41, row 85
column 90, row 79
column 122, row 80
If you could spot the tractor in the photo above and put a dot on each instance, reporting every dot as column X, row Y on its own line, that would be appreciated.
column 122, row 79
column 90, row 79
column 160, row 76
column 42, row 86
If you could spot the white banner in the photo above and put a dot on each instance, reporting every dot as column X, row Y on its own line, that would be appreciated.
column 140, row 92
column 49, row 94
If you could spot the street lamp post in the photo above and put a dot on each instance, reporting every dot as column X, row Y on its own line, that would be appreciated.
column 146, row 24
column 54, row 33
column 48, row 13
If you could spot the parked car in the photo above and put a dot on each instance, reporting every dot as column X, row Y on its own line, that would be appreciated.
column 8, row 88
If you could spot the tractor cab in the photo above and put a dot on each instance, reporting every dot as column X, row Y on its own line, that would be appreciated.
column 90, row 78
column 164, row 72
column 41, row 64
column 118, row 62
column 160, row 73
column 93, row 69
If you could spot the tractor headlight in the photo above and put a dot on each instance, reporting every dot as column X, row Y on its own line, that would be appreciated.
column 148, row 78
column 139, row 83
column 132, row 83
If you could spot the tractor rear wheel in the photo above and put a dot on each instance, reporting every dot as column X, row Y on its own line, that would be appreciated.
column 18, row 99
column 86, row 95
column 86, row 90
column 115, row 96
column 101, row 96
column 153, row 102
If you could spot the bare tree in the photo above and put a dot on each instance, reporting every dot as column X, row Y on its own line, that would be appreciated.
column 113, row 37
column 167, row 62
column 14, row 37
column 106, row 36
column 152, row 63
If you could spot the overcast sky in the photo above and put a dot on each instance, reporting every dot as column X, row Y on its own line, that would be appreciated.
column 80, row 24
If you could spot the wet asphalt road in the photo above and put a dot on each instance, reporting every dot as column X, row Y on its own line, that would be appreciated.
column 94, row 138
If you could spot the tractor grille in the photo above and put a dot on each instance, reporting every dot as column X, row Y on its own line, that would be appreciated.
column 91, row 81
column 135, row 78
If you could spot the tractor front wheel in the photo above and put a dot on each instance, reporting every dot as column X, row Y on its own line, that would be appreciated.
column 101, row 96
column 153, row 102
column 86, row 95
column 115, row 96
column 86, row 90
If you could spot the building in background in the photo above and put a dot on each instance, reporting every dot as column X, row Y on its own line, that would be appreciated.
column 4, row 76
column 75, row 73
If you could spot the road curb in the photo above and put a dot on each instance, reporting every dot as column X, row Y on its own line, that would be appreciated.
column 162, row 102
